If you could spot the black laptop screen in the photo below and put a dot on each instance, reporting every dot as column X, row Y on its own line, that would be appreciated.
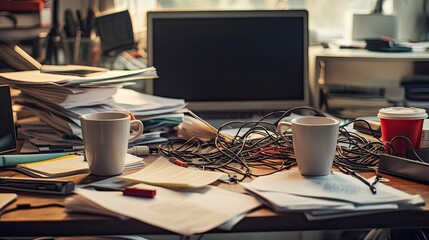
column 230, row 60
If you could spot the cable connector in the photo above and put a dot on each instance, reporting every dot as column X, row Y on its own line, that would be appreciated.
column 139, row 150
column 23, row 206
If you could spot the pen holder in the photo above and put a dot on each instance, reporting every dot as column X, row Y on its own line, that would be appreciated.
column 81, row 51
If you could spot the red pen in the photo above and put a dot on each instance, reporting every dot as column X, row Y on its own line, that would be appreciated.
column 145, row 192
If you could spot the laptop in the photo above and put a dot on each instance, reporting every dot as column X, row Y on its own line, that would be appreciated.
column 230, row 64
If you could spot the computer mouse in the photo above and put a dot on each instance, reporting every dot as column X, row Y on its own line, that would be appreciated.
column 385, row 44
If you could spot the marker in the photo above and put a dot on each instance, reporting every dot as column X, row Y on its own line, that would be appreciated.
column 61, row 148
column 145, row 192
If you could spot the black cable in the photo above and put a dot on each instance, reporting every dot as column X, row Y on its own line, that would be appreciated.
column 200, row 237
column 242, row 155
column 26, row 206
column 410, row 144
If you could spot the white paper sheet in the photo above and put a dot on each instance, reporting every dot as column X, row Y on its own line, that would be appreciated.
column 163, row 173
column 68, row 165
column 186, row 213
column 37, row 77
column 334, row 186
column 285, row 202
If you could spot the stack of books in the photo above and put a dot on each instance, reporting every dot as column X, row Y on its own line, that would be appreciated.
column 24, row 19
column 58, row 98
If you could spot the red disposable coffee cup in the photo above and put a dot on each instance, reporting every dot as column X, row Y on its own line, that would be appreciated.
column 402, row 121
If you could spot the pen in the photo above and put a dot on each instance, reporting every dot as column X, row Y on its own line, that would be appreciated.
column 348, row 171
column 61, row 148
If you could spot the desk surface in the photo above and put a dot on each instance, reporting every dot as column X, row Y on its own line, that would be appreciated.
column 356, row 54
column 53, row 221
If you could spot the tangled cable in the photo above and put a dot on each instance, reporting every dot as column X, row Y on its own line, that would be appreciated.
column 356, row 152
column 257, row 149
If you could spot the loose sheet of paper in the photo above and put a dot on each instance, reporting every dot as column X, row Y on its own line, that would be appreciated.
column 163, row 173
column 285, row 202
column 183, row 212
column 68, row 165
column 334, row 186
column 37, row 77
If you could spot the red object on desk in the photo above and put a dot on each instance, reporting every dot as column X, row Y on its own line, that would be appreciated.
column 139, row 192
column 22, row 5
column 132, row 117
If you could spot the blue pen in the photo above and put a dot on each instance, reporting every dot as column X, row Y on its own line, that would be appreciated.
column 13, row 160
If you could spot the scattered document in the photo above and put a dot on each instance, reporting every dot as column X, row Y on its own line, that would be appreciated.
column 58, row 97
column 74, row 70
column 74, row 97
column 38, row 77
column 197, row 127
column 143, row 105
column 164, row 173
column 186, row 213
column 67, row 166
column 284, row 202
column 336, row 186
column 329, row 196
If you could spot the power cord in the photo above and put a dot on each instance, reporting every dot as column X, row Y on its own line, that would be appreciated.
column 256, row 145
column 243, row 155
column 25, row 206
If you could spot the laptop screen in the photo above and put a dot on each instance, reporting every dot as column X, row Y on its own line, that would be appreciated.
column 230, row 60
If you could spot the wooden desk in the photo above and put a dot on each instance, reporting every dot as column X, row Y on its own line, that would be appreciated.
column 54, row 221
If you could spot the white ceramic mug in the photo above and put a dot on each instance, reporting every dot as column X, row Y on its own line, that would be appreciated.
column 314, row 142
column 106, row 136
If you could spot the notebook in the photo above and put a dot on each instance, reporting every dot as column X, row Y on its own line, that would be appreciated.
column 66, row 166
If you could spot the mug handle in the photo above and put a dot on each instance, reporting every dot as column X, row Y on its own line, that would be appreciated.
column 135, row 133
column 283, row 127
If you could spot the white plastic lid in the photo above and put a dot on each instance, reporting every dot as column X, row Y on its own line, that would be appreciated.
column 402, row 113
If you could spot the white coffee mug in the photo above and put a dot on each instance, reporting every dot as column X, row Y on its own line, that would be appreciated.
column 106, row 136
column 314, row 142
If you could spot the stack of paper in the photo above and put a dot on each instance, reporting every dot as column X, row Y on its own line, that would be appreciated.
column 188, row 206
column 103, row 78
column 67, row 166
column 70, row 97
column 67, row 119
column 327, row 196
column 184, row 212
column 60, row 99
